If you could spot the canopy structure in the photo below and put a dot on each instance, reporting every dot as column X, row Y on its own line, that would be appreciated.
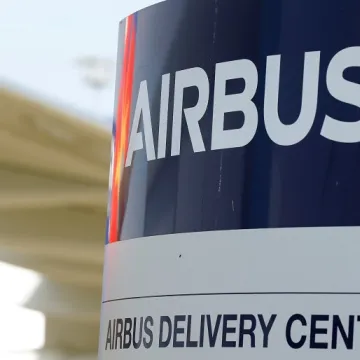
column 53, row 194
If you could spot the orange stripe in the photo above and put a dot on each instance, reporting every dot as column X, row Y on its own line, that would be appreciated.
column 122, row 125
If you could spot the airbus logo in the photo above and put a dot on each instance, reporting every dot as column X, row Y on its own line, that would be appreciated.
column 338, row 130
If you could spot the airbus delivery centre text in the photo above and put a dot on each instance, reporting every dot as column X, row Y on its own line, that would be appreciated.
column 299, row 331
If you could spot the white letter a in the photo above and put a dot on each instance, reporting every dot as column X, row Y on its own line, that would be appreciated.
column 136, row 140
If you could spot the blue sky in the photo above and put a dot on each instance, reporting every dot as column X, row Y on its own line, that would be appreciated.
column 40, row 41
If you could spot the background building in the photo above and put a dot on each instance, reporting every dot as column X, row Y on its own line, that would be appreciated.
column 53, row 194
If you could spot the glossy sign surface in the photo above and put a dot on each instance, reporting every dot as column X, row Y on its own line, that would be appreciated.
column 261, row 185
